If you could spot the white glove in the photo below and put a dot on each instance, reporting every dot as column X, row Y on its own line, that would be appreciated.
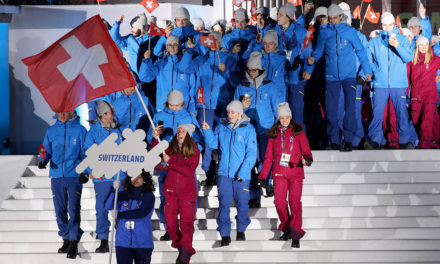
column 116, row 184
column 113, row 215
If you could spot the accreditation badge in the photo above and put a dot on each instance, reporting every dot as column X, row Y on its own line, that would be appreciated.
column 129, row 225
column 285, row 159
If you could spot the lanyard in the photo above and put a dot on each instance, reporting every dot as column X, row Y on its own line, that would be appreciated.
column 282, row 142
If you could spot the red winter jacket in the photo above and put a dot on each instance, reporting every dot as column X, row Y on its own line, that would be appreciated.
column 422, row 79
column 300, row 148
column 181, row 174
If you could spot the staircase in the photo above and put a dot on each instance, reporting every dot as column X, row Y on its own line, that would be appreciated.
column 358, row 207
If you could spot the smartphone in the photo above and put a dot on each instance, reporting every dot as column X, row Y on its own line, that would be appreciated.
column 160, row 123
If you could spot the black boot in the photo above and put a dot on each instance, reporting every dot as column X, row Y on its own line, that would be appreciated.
column 103, row 248
column 269, row 190
column 165, row 237
column 346, row 147
column 225, row 241
column 240, row 236
column 285, row 236
column 254, row 204
column 73, row 249
column 64, row 247
column 295, row 243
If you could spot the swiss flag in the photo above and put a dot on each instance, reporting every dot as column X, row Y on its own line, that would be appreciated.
column 201, row 95
column 399, row 24
column 309, row 36
column 209, row 41
column 155, row 30
column 295, row 2
column 82, row 65
column 366, row 1
column 372, row 16
column 357, row 12
column 237, row 3
column 150, row 5
column 42, row 151
column 253, row 11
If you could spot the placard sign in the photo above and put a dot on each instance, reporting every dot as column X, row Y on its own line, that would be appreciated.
column 131, row 156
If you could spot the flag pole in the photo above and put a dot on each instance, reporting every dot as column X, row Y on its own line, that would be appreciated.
column 360, row 9
column 116, row 185
column 99, row 7
column 145, row 107
column 362, row 24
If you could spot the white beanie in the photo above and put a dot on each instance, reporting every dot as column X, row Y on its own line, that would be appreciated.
column 271, row 35
column 198, row 22
column 289, row 10
column 140, row 22
column 408, row 33
column 320, row 11
column 346, row 10
column 283, row 109
column 334, row 10
column 175, row 97
column 255, row 60
column 217, row 35
column 182, row 12
column 163, row 23
column 190, row 128
column 152, row 19
column 413, row 22
column 422, row 40
column 274, row 13
column 103, row 107
column 435, row 39
column 172, row 38
column 235, row 106
column 241, row 14
column 263, row 10
column 387, row 18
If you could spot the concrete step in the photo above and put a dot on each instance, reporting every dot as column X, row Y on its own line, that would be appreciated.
column 378, row 155
column 211, row 224
column 251, row 235
column 374, row 166
column 307, row 201
column 268, row 212
column 315, row 189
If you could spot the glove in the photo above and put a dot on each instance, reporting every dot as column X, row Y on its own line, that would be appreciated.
column 42, row 164
column 83, row 178
column 113, row 215
column 360, row 80
column 309, row 161
column 262, row 183
column 356, row 23
column 296, row 63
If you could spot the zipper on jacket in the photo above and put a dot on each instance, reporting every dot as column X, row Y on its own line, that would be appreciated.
column 177, row 181
column 212, row 81
column 268, row 67
column 172, row 74
column 389, row 67
column 420, row 79
column 337, row 53
column 229, row 161
column 64, row 145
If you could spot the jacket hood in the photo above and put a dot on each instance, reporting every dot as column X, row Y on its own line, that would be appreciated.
column 73, row 120
column 257, row 81
column 243, row 121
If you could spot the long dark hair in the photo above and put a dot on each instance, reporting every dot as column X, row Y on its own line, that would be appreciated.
column 296, row 129
column 148, row 185
column 187, row 146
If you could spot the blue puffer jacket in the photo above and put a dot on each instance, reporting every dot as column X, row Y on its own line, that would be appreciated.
column 215, row 83
column 242, row 36
column 64, row 143
column 262, row 31
column 264, row 102
column 136, row 207
column 168, row 77
column 340, row 45
column 389, row 63
column 128, row 108
column 136, row 46
column 276, row 67
column 426, row 31
column 237, row 145
column 171, row 121
column 96, row 135
column 183, row 33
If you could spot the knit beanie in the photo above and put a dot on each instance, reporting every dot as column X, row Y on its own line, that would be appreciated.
column 346, row 10
column 334, row 10
column 172, row 39
column 422, row 40
column 320, row 11
column 271, row 35
column 217, row 35
column 182, row 12
column 190, row 128
column 140, row 22
column 240, row 14
column 197, row 22
column 283, row 109
column 235, row 106
column 407, row 32
column 152, row 19
column 175, row 97
column 263, row 11
column 413, row 22
column 255, row 60
column 289, row 10
column 103, row 107
column 387, row 18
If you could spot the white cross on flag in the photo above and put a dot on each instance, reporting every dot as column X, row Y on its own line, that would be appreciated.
column 156, row 31
column 253, row 11
column 150, row 5
column 209, row 41
column 309, row 36
column 372, row 16
column 295, row 2
column 82, row 65
column 237, row 3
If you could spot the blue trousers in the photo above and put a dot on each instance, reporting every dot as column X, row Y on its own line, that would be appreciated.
column 349, row 124
column 380, row 98
column 358, row 114
column 138, row 255
column 229, row 189
column 102, row 191
column 212, row 119
column 161, row 180
column 296, row 101
column 66, row 194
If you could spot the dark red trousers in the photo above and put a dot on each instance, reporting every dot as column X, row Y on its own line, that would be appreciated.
column 424, row 116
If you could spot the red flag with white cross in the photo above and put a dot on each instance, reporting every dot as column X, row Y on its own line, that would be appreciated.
column 201, row 95
column 309, row 36
column 156, row 31
column 209, row 41
column 295, row 2
column 399, row 24
column 82, row 65
column 150, row 5
column 42, row 152
column 253, row 11
column 372, row 16
column 237, row 3
column 357, row 12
